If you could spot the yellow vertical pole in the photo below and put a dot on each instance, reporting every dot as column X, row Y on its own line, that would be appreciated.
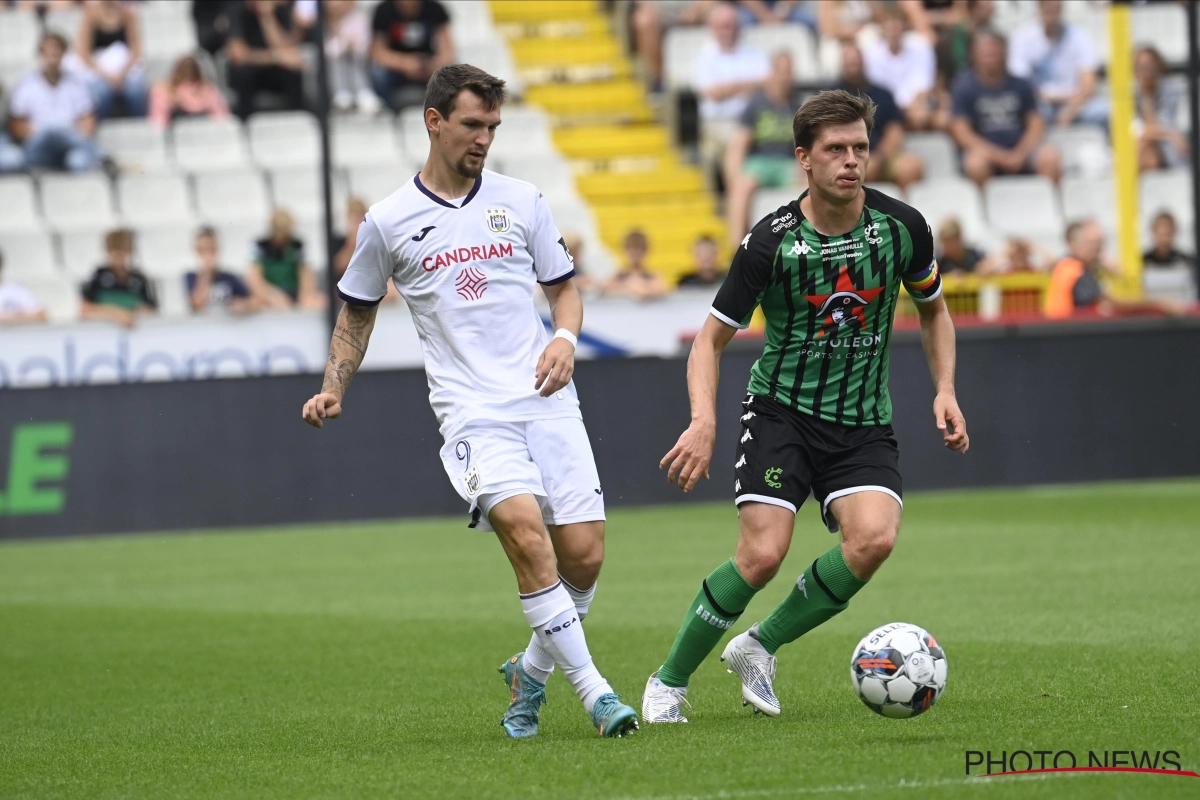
column 1124, row 144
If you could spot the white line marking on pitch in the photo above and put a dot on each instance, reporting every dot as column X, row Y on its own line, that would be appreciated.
column 737, row 794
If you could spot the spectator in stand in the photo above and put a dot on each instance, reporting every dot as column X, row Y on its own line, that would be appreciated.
column 1167, row 274
column 186, row 93
column 1077, row 281
column 1158, row 99
column 648, row 20
column 343, row 246
column 889, row 161
column 1060, row 61
column 52, row 114
column 17, row 304
column 905, row 65
column 635, row 280
column 116, row 291
column 1017, row 255
column 109, row 48
column 280, row 276
column 726, row 75
column 761, row 152
column 584, row 280
column 775, row 12
column 843, row 20
column 348, row 48
column 954, row 255
column 264, row 54
column 996, row 120
column 707, row 271
column 211, row 18
column 212, row 287
column 410, row 41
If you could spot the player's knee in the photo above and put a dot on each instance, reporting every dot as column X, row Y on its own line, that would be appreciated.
column 870, row 547
column 759, row 565
column 582, row 569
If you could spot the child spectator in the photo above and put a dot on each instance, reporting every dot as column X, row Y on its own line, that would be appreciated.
column 707, row 271
column 116, row 291
column 954, row 255
column 280, row 276
column 186, row 93
column 109, row 48
column 635, row 280
column 1167, row 274
column 212, row 287
column 17, row 304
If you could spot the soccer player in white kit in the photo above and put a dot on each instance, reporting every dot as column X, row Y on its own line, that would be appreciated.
column 465, row 248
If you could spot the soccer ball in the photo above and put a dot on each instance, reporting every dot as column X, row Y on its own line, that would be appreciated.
column 898, row 670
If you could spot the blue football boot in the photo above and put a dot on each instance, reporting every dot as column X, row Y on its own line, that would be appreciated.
column 521, row 718
column 612, row 717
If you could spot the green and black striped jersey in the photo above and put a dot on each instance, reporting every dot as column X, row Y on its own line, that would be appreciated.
column 829, row 303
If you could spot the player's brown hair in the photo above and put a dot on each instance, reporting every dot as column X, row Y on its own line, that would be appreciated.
column 833, row 107
column 446, row 84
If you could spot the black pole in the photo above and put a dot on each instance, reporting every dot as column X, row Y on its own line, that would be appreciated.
column 1193, row 16
column 326, row 167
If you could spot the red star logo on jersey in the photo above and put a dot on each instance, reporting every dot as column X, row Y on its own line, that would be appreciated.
column 845, row 306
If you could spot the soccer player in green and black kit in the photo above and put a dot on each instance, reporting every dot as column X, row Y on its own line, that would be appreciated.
column 826, row 270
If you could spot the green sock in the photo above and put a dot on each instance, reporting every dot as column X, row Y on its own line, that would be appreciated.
column 722, row 598
column 823, row 592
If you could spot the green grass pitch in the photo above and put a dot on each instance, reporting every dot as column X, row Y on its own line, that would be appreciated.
column 359, row 660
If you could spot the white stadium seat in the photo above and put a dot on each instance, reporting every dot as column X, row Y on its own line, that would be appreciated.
column 939, row 199
column 19, row 203
column 135, row 144
column 523, row 133
column 890, row 189
column 285, row 139
column 796, row 39
column 154, row 199
column 19, row 35
column 552, row 176
column 1163, row 25
column 414, row 138
column 300, row 192
column 936, row 150
column 77, row 202
column 1090, row 198
column 166, row 252
column 374, row 182
column 236, row 241
column 470, row 25
column 1084, row 148
column 232, row 197
column 1025, row 206
column 168, row 31
column 681, row 46
column 27, row 253
column 201, row 144
column 767, row 201
column 82, row 252
column 57, row 293
column 363, row 140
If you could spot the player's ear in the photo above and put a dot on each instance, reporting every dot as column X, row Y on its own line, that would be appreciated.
column 433, row 122
column 802, row 157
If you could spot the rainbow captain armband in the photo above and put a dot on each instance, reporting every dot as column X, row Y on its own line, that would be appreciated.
column 925, row 285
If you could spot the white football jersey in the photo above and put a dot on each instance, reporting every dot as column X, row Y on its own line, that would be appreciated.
column 468, row 269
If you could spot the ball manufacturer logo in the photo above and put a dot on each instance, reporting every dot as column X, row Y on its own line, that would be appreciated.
column 471, row 283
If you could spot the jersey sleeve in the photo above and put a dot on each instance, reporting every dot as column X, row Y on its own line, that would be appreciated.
column 365, row 281
column 748, row 276
column 551, row 259
column 922, row 278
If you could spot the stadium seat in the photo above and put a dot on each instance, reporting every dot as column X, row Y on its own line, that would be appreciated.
column 552, row 176
column 167, row 29
column 19, row 202
column 77, row 202
column 374, row 182
column 524, row 132
column 1025, row 206
column 154, row 199
column 64, row 20
column 766, row 201
column 166, row 252
column 57, row 293
column 19, row 32
column 1163, row 25
column 300, row 192
column 1090, row 198
column 410, row 126
column 794, row 38
column 135, row 144
column 232, row 197
column 312, row 233
column 1093, row 18
column 1084, row 148
column 936, row 150
column 939, row 199
column 82, row 252
column 890, row 189
column 470, row 24
column 201, row 144
column 363, row 140
column 171, row 293
column 27, row 253
column 681, row 46
column 285, row 139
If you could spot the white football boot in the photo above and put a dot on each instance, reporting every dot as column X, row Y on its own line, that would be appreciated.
column 661, row 703
column 745, row 657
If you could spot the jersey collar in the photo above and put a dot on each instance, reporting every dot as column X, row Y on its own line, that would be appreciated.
column 471, row 194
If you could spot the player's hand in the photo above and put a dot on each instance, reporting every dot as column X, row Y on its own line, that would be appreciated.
column 555, row 367
column 690, row 457
column 321, row 407
column 951, row 423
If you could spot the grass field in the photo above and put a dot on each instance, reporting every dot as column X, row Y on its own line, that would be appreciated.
column 359, row 660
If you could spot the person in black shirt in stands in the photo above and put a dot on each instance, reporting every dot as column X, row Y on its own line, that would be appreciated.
column 117, row 291
column 410, row 40
column 264, row 54
column 707, row 271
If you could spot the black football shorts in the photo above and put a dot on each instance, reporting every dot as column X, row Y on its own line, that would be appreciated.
column 783, row 454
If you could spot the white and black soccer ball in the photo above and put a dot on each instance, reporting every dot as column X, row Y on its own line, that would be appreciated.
column 899, row 670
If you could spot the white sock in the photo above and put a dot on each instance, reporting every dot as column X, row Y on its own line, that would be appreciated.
column 581, row 597
column 538, row 663
column 552, row 615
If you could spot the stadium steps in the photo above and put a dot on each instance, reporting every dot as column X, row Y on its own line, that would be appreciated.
column 622, row 158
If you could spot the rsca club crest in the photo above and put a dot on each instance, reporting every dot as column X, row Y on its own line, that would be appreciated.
column 497, row 220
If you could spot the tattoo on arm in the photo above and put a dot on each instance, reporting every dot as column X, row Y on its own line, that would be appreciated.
column 348, row 347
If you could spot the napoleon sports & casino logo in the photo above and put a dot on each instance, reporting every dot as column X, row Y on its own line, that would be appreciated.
column 844, row 306
column 993, row 764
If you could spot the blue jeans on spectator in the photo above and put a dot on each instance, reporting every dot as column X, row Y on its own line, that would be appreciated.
column 133, row 91
column 62, row 148
column 385, row 82
column 12, row 157
column 1095, row 111
column 802, row 13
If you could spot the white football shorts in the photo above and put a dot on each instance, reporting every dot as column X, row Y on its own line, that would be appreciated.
column 489, row 462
